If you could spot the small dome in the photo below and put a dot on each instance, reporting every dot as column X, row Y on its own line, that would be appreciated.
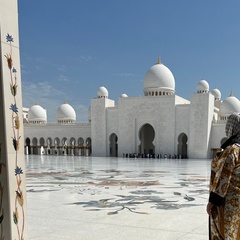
column 102, row 92
column 203, row 87
column 158, row 80
column 230, row 105
column 124, row 95
column 216, row 93
column 36, row 114
column 66, row 114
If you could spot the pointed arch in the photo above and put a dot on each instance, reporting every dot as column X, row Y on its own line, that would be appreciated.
column 113, row 145
column 72, row 146
column 56, row 145
column 88, row 146
column 42, row 141
column 182, row 145
column 49, row 145
column 81, row 146
column 146, row 136
column 34, row 145
column 28, row 146
column 64, row 146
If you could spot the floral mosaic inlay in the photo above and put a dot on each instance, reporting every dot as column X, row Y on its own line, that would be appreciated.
column 18, row 213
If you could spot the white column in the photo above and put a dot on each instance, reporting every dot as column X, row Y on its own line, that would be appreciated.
column 13, row 215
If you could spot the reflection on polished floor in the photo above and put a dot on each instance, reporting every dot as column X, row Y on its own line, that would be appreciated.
column 90, row 198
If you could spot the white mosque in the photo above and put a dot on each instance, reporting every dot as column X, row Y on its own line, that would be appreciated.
column 158, row 124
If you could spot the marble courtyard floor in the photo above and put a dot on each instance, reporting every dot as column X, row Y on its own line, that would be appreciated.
column 90, row 198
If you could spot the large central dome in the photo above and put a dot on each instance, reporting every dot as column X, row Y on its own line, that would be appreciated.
column 159, row 80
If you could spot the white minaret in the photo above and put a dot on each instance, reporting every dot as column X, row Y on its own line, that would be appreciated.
column 13, row 215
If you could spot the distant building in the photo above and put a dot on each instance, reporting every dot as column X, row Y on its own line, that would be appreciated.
column 158, row 124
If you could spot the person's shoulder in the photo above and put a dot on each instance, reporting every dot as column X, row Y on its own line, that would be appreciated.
column 233, row 149
column 235, row 146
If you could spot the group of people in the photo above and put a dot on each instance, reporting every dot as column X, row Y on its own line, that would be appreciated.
column 148, row 155
column 224, row 198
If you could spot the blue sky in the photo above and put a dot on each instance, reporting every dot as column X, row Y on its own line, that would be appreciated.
column 69, row 48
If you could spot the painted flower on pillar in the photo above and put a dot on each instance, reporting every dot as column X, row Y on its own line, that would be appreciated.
column 18, row 171
column 9, row 38
column 14, row 108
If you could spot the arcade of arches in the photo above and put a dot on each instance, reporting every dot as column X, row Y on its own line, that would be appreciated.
column 146, row 146
column 56, row 146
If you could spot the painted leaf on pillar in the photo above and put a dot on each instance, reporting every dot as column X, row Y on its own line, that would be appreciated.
column 15, row 217
column 16, row 144
column 9, row 61
column 19, row 197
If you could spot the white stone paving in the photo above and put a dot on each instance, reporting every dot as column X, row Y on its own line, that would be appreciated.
column 86, row 198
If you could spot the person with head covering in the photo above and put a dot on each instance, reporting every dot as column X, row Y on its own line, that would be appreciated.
column 224, row 199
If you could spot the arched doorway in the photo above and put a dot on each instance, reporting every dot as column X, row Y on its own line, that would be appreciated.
column 57, row 146
column 64, row 146
column 28, row 146
column 146, row 137
column 42, row 145
column 113, row 145
column 34, row 146
column 72, row 146
column 80, row 146
column 89, row 147
column 49, row 145
column 182, row 145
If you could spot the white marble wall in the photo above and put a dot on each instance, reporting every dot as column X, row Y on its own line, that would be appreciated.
column 201, row 116
column 99, row 125
column 134, row 112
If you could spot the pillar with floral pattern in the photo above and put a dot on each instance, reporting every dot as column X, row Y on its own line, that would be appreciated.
column 13, row 216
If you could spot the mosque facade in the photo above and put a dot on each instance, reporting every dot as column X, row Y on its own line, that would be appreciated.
column 157, row 124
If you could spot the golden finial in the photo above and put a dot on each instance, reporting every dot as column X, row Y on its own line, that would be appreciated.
column 65, row 101
column 231, row 93
column 36, row 103
column 159, row 60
